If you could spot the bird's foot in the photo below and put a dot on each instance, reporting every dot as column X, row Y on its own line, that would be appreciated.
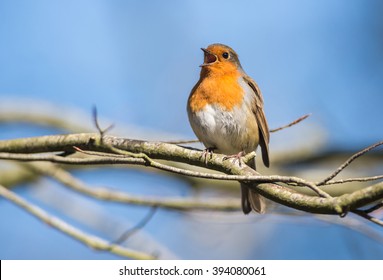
column 206, row 152
column 236, row 157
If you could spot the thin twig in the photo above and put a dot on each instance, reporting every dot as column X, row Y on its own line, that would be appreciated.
column 95, row 120
column 98, row 154
column 348, row 180
column 182, row 142
column 105, row 158
column 368, row 217
column 73, row 183
column 348, row 162
column 127, row 234
column 262, row 179
column 87, row 239
column 112, row 159
column 374, row 208
column 271, row 131
column 290, row 124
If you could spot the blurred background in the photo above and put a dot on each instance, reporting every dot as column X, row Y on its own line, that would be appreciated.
column 137, row 61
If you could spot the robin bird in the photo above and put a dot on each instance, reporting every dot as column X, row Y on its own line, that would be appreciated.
column 225, row 110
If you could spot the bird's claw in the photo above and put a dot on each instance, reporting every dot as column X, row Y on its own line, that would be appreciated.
column 206, row 152
column 236, row 157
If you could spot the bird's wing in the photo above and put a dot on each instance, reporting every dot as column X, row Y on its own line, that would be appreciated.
column 257, row 108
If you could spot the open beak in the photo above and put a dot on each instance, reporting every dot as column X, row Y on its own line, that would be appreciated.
column 209, row 58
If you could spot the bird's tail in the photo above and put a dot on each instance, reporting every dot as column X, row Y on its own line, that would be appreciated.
column 250, row 199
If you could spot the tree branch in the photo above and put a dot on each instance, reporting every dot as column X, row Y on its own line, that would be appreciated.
column 368, row 217
column 270, row 187
column 348, row 162
column 137, row 227
column 87, row 239
column 107, row 194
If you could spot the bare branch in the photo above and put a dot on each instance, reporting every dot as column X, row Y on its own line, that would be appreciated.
column 368, row 217
column 107, row 158
column 89, row 240
column 137, row 227
column 180, row 142
column 349, row 180
column 290, row 124
column 374, row 208
column 158, row 150
column 348, row 162
column 120, row 159
column 71, row 182
column 95, row 119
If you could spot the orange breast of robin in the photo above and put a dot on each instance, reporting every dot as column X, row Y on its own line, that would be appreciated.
column 217, row 88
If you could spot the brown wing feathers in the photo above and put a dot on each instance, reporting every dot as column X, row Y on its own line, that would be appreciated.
column 264, row 135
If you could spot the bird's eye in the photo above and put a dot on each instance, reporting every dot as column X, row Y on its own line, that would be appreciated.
column 225, row 55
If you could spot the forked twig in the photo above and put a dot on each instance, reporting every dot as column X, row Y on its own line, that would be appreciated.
column 95, row 119
column 348, row 162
